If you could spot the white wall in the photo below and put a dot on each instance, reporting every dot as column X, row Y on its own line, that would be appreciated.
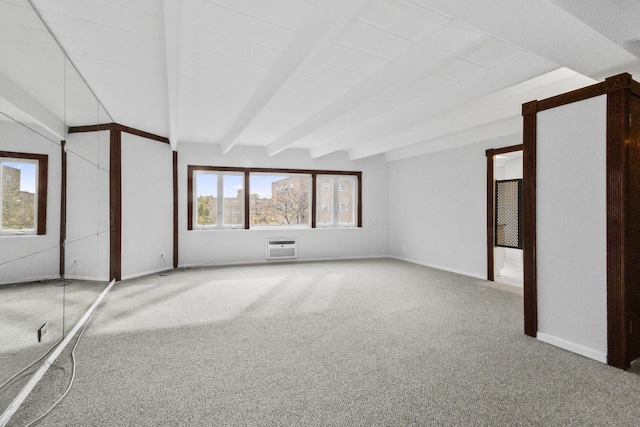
column 217, row 247
column 87, row 242
column 513, row 168
column 438, row 209
column 30, row 257
column 571, row 227
column 147, row 206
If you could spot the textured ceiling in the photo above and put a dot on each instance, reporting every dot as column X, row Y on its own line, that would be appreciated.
column 398, row 77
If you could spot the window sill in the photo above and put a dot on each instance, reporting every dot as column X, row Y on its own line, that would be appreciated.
column 18, row 233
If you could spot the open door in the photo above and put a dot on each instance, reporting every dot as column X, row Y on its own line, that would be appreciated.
column 504, row 215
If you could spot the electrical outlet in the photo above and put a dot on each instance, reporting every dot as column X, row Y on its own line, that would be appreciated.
column 42, row 331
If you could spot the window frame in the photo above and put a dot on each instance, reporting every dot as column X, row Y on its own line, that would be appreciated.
column 42, row 173
column 284, row 189
column 220, row 201
column 337, row 203
column 192, row 169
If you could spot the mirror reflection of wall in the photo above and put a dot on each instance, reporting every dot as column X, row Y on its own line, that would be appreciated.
column 54, row 244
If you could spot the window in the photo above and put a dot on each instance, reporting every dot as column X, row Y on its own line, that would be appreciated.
column 23, row 191
column 289, row 207
column 324, row 215
column 229, row 197
column 340, row 201
column 219, row 199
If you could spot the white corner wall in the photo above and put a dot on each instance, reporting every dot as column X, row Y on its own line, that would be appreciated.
column 438, row 209
column 87, row 242
column 571, row 227
column 220, row 247
column 147, row 206
column 30, row 257
column 513, row 169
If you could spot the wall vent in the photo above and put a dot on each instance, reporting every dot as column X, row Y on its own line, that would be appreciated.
column 282, row 248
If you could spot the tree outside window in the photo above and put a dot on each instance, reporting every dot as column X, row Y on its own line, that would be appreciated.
column 283, row 200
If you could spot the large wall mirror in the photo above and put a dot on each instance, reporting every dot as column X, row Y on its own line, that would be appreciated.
column 54, row 235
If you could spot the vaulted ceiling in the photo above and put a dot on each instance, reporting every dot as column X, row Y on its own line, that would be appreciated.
column 398, row 77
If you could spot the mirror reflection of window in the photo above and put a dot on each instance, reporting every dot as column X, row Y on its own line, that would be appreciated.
column 19, row 196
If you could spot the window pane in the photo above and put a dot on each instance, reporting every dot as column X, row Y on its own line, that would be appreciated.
column 19, row 198
column 206, row 189
column 324, row 204
column 347, row 200
column 233, row 200
column 280, row 199
column 337, row 201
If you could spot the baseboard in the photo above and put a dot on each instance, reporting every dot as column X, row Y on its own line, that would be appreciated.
column 283, row 261
column 87, row 278
column 440, row 267
column 146, row 273
column 23, row 280
column 573, row 347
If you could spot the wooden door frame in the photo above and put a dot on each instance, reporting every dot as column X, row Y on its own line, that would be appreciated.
column 617, row 90
column 491, row 228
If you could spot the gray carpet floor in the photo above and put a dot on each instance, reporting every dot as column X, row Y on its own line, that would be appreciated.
column 347, row 343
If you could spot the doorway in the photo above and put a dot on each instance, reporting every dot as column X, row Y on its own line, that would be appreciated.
column 504, row 216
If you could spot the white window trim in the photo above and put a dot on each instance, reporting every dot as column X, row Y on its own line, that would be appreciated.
column 219, row 225
column 335, row 203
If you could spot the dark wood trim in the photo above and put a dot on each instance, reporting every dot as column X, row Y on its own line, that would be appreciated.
column 359, row 199
column 509, row 149
column 617, row 129
column 118, row 127
column 43, row 173
column 92, row 128
column 619, row 208
column 247, row 171
column 612, row 84
column 247, row 199
column 572, row 96
column 314, row 180
column 115, row 190
column 175, row 209
column 275, row 170
column 63, row 208
column 491, row 231
column 115, row 205
column 632, row 229
column 141, row 133
column 529, row 111
column 43, row 183
column 190, row 171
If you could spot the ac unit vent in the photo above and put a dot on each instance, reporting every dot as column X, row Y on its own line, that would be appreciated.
column 284, row 248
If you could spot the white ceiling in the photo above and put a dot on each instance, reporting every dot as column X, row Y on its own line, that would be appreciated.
column 398, row 77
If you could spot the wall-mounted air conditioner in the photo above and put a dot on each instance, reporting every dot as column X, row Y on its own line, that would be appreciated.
column 282, row 248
